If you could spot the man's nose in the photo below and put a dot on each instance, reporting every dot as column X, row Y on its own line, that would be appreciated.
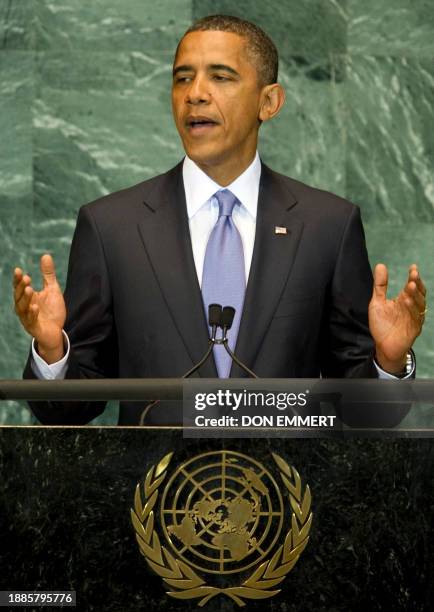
column 198, row 91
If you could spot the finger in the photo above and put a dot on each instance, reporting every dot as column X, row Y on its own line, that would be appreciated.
column 414, row 296
column 414, row 310
column 414, row 275
column 17, row 276
column 48, row 270
column 414, row 302
column 19, row 290
column 413, row 288
column 380, row 282
column 420, row 302
column 22, row 305
column 32, row 314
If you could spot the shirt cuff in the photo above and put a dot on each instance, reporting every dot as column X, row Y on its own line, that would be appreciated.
column 386, row 376
column 54, row 371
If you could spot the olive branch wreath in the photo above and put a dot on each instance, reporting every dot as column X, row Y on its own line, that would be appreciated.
column 186, row 582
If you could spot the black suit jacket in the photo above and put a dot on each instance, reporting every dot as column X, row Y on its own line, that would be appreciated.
column 134, row 306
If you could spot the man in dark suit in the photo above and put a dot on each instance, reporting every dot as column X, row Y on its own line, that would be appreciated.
column 142, row 259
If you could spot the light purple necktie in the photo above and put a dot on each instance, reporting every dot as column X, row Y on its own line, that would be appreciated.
column 223, row 278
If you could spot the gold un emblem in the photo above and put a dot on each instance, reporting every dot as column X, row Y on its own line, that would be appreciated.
column 225, row 525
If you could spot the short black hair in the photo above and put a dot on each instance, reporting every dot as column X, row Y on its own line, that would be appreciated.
column 259, row 44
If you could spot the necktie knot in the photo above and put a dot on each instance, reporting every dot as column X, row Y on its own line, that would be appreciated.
column 226, row 201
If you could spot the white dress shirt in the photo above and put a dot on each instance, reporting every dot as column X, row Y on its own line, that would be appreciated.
column 203, row 208
column 202, row 211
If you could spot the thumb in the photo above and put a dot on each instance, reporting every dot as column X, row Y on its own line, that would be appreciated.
column 48, row 270
column 380, row 282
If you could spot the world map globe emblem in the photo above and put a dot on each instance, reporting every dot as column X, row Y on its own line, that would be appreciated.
column 222, row 512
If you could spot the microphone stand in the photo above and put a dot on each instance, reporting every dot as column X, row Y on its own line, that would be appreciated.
column 218, row 317
column 235, row 358
column 211, row 341
column 214, row 317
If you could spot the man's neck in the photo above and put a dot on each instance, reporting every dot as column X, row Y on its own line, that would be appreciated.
column 225, row 174
column 199, row 187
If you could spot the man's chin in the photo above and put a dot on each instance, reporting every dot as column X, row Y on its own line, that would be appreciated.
column 202, row 156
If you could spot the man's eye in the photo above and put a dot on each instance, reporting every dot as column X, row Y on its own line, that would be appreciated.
column 220, row 77
column 182, row 79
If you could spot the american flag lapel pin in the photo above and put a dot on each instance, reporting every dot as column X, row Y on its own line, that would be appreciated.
column 280, row 230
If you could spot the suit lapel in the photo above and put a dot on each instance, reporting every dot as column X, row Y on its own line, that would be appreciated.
column 273, row 256
column 166, row 238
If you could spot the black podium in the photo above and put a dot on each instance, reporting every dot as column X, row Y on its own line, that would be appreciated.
column 153, row 517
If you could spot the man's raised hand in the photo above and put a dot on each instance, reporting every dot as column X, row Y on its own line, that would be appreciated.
column 395, row 324
column 42, row 313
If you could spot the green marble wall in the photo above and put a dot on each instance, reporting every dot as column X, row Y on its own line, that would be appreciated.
column 84, row 110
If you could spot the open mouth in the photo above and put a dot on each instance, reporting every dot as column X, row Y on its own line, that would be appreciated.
column 200, row 123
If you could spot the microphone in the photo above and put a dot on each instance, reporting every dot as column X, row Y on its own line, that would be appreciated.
column 226, row 321
column 223, row 318
column 218, row 317
column 214, row 318
column 227, row 318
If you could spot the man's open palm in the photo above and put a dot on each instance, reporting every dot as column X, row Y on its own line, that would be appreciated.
column 42, row 313
column 396, row 323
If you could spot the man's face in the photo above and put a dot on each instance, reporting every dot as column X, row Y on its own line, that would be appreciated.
column 216, row 97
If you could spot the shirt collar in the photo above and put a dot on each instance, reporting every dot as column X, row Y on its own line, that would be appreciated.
column 199, row 187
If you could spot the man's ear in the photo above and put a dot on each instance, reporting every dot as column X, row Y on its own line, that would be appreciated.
column 272, row 100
